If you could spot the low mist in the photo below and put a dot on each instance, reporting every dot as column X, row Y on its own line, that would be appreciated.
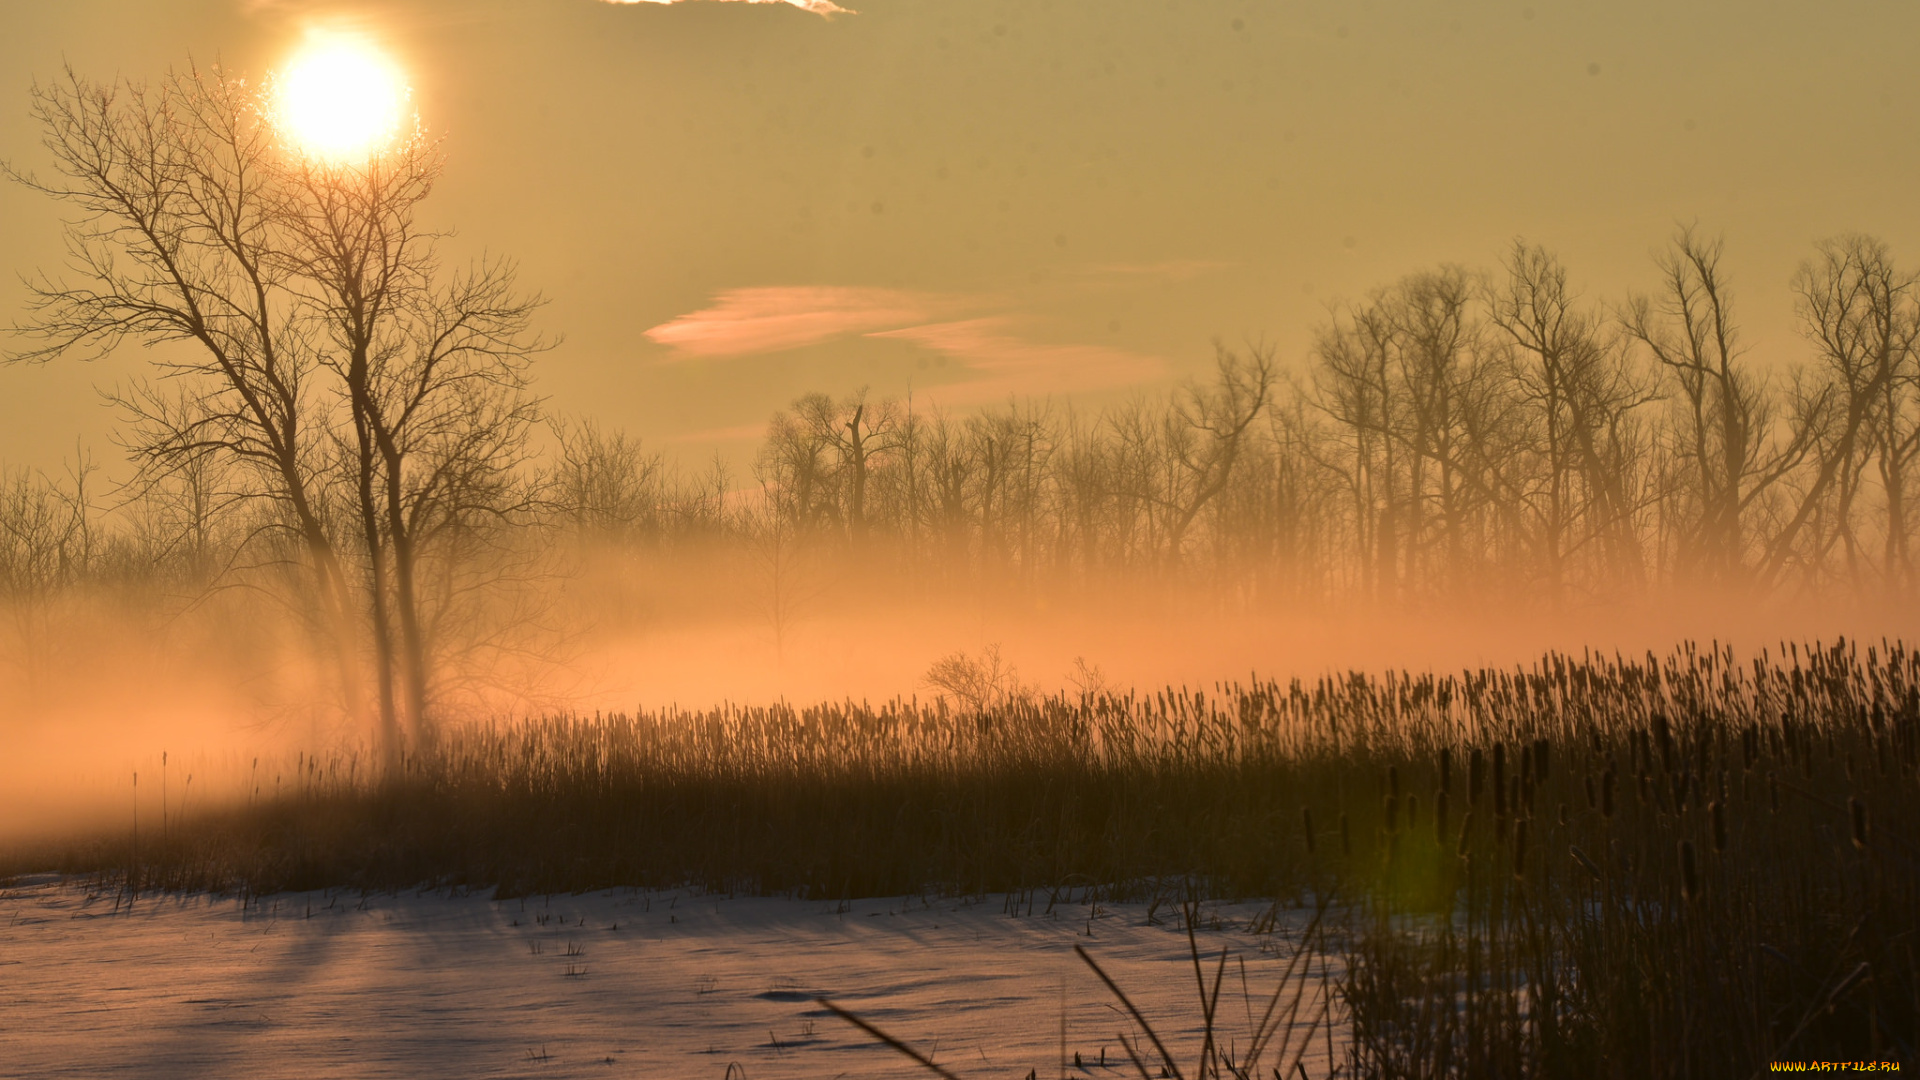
column 232, row 692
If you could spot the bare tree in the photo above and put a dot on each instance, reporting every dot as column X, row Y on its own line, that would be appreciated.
column 1862, row 315
column 46, row 545
column 1729, row 456
column 1207, row 434
column 434, row 377
column 198, row 224
column 1579, row 393
column 784, row 559
column 1353, row 388
column 176, row 239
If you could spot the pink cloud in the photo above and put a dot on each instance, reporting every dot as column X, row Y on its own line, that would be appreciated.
column 744, row 321
column 1009, row 364
column 818, row 7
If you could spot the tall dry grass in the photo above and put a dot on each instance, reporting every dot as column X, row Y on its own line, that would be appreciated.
column 1596, row 866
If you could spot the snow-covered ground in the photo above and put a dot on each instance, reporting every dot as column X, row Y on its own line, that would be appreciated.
column 612, row 984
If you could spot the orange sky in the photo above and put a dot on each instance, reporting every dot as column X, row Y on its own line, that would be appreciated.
column 731, row 204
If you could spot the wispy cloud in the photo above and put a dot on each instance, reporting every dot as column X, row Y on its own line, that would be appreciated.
column 740, row 322
column 996, row 351
column 818, row 7
column 1007, row 363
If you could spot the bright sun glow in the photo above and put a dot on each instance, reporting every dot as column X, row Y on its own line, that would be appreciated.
column 341, row 98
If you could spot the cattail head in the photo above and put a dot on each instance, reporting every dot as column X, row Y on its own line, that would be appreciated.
column 1564, row 816
column 1466, row 833
column 1520, row 848
column 1663, row 736
column 1306, row 823
column 1586, row 862
column 1718, row 813
column 1476, row 776
column 1446, row 769
column 1393, row 814
column 1393, row 781
column 1689, row 871
column 1857, row 811
column 1540, row 760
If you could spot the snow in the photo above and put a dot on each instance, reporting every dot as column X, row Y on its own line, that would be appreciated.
column 613, row 984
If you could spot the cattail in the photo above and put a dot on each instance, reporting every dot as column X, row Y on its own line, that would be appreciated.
column 1689, row 872
column 1466, row 833
column 1585, row 861
column 1592, row 801
column 1440, row 816
column 1346, row 837
column 1393, row 780
column 1500, row 779
column 1520, row 848
column 1540, row 760
column 1857, row 810
column 1306, row 822
column 1393, row 814
column 1606, row 792
column 1719, row 815
column 1844, row 985
column 1476, row 777
column 1563, row 815
column 1663, row 735
column 1446, row 770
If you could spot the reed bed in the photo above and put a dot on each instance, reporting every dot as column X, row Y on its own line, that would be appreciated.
column 1675, row 865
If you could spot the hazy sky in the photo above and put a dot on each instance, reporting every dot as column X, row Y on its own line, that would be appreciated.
column 730, row 204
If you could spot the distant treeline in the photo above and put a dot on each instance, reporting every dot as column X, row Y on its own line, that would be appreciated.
column 1454, row 435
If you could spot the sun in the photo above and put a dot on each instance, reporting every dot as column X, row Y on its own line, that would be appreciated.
column 340, row 99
